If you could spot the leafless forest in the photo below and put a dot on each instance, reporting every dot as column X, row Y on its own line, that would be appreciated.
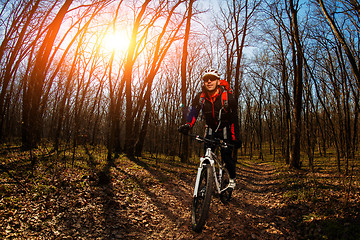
column 122, row 73
column 92, row 93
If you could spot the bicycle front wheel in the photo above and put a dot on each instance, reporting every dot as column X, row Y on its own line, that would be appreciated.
column 201, row 203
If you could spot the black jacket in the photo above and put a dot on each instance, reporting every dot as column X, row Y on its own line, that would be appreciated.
column 225, row 125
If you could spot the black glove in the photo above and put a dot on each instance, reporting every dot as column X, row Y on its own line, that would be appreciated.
column 184, row 129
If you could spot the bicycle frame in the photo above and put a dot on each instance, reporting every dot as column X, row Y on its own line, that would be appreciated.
column 210, row 170
column 212, row 159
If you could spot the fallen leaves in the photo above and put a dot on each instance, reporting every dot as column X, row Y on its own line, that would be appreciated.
column 148, row 199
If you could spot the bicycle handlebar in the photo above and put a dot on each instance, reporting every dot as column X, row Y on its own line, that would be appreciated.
column 215, row 141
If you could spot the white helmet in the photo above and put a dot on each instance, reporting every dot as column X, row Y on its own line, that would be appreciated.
column 211, row 73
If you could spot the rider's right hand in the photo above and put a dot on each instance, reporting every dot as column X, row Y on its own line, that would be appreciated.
column 184, row 128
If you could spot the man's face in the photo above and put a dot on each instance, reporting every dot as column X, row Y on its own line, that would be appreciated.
column 211, row 83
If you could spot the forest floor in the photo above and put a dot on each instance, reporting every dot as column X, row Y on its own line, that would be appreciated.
column 146, row 198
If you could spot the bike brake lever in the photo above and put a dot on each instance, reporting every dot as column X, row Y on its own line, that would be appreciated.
column 199, row 139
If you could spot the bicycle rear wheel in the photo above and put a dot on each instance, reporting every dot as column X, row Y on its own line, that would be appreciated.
column 225, row 196
column 201, row 203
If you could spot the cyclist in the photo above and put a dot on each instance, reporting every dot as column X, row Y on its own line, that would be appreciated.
column 218, row 107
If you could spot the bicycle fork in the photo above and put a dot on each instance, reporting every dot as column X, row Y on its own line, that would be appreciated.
column 207, row 160
column 200, row 168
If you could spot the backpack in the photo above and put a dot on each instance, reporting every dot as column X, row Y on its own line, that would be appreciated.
column 225, row 87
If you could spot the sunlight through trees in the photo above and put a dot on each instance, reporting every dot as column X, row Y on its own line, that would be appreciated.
column 116, row 72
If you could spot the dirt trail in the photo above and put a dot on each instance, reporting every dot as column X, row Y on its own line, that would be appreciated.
column 144, row 199
column 148, row 199
column 161, row 207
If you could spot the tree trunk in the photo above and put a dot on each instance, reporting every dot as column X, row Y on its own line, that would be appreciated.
column 10, row 67
column 297, row 88
column 32, row 117
column 341, row 39
column 184, row 156
column 128, row 70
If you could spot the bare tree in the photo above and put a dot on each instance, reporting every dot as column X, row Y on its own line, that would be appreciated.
column 279, row 34
column 298, row 61
column 340, row 36
column 128, row 69
column 33, row 91
column 169, row 33
column 13, row 60
column 237, row 20
column 185, row 144
column 161, row 48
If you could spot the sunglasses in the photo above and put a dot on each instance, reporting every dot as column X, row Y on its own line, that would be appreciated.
column 211, row 79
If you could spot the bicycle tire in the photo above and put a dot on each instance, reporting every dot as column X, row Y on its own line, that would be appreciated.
column 201, row 203
column 226, row 195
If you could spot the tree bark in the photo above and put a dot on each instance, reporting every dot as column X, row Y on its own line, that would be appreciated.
column 185, row 144
column 297, row 88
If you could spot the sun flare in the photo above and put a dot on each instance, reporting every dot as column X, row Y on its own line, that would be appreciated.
column 118, row 42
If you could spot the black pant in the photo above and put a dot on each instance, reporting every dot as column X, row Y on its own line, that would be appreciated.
column 228, row 154
column 227, row 157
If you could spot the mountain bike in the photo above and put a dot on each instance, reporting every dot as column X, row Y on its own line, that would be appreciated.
column 211, row 171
